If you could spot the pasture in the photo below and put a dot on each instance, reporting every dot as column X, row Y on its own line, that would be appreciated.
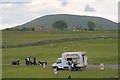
column 39, row 72
column 98, row 51
column 9, row 38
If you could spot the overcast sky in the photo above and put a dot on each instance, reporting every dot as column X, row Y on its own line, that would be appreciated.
column 16, row 12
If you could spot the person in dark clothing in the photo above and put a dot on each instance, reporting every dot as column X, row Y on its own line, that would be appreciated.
column 75, row 64
column 34, row 60
column 26, row 61
column 18, row 62
column 69, row 65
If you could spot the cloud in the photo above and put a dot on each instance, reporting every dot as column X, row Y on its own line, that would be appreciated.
column 89, row 8
column 5, row 6
column 15, row 13
column 4, row 26
column 42, row 5
column 63, row 2
column 12, row 1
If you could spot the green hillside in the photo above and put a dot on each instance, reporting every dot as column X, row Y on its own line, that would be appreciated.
column 71, row 20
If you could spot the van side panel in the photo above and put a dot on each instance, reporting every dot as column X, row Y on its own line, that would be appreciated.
column 79, row 60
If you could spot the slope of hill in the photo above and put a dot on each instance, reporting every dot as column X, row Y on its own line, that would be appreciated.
column 71, row 20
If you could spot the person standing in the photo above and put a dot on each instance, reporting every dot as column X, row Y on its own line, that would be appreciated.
column 55, row 71
column 72, row 66
column 69, row 65
column 102, row 67
column 34, row 60
column 27, row 60
column 75, row 64
column 44, row 65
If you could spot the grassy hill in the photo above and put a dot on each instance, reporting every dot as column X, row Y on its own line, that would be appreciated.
column 71, row 20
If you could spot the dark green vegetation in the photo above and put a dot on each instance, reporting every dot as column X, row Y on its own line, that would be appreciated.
column 91, row 26
column 98, row 51
column 61, row 24
column 19, row 29
column 72, row 21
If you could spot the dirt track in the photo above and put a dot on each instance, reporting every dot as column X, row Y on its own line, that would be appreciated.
column 89, row 65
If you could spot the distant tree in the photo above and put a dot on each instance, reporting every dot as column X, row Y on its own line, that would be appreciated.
column 19, row 29
column 60, row 24
column 91, row 26
column 11, row 29
column 26, row 29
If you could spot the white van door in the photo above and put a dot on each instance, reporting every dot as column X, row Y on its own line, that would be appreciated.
column 59, row 63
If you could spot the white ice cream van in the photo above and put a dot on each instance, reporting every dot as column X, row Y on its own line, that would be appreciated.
column 79, row 57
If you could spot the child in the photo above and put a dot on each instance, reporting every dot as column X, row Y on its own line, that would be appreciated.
column 44, row 65
column 55, row 71
column 102, row 66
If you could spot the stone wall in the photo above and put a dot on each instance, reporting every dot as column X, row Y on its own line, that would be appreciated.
column 54, row 41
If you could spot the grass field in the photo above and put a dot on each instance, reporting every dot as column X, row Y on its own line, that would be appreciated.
column 39, row 72
column 98, row 51
column 25, row 37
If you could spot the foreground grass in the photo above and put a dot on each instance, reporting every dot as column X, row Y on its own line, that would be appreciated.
column 39, row 72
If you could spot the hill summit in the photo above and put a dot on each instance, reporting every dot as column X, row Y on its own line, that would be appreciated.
column 71, row 20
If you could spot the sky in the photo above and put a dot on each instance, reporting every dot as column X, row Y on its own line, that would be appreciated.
column 17, row 12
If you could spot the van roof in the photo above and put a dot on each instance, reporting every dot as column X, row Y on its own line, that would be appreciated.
column 74, row 53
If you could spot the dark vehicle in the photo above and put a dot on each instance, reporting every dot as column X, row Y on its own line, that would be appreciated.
column 42, row 62
column 16, row 62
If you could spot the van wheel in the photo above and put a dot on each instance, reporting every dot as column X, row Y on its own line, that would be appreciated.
column 78, row 69
column 81, row 69
column 84, row 67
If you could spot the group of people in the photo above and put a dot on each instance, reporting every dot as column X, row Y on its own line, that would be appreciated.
column 30, row 62
column 34, row 61
column 72, row 65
